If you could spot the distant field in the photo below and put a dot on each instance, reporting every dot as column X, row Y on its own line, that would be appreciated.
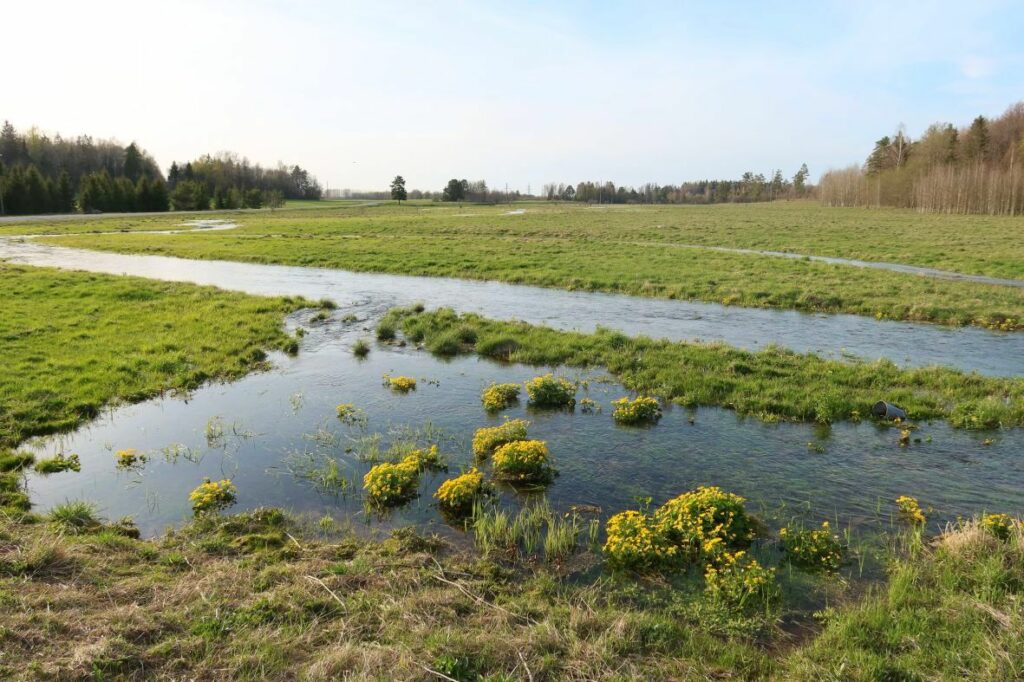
column 636, row 249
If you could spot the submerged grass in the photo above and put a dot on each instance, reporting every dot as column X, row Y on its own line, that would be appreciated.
column 772, row 384
column 641, row 250
column 75, row 342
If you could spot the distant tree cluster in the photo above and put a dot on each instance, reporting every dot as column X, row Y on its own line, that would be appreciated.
column 978, row 168
column 40, row 174
column 229, row 181
column 749, row 188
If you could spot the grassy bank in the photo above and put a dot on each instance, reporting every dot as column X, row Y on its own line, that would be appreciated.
column 773, row 384
column 638, row 250
column 74, row 342
column 254, row 597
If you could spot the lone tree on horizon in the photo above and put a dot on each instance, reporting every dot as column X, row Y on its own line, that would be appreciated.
column 398, row 192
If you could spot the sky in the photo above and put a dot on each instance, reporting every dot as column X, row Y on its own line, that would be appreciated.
column 514, row 93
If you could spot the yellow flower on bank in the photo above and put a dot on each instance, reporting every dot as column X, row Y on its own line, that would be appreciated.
column 212, row 496
column 456, row 495
column 910, row 510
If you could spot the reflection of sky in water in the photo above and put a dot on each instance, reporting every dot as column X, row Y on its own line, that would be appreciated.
column 267, row 416
column 833, row 335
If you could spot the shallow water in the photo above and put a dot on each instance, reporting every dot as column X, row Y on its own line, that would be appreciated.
column 909, row 344
column 268, row 420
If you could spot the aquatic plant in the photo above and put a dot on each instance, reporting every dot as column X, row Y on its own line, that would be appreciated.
column 58, row 463
column 129, row 458
column 499, row 396
column 999, row 525
column 589, row 406
column 550, row 391
column 457, row 495
column 361, row 348
column 425, row 458
column 812, row 549
column 15, row 461
column 704, row 522
column 486, row 439
column 632, row 543
column 523, row 461
column 212, row 496
column 910, row 510
column 388, row 484
column 738, row 580
column 400, row 384
column 534, row 528
column 350, row 415
column 386, row 330
column 640, row 410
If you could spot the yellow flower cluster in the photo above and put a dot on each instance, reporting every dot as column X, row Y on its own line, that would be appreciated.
column 456, row 495
column 485, row 440
column 549, row 391
column 735, row 578
column 212, row 496
column 910, row 510
column 349, row 414
column 400, row 384
column 703, row 522
column 389, row 484
column 639, row 410
column 632, row 542
column 425, row 458
column 818, row 549
column 698, row 525
column 499, row 396
column 128, row 458
column 522, row 460
column 999, row 525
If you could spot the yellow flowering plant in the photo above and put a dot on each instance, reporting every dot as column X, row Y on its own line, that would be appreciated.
column 457, row 495
column 524, row 461
column 812, row 549
column 551, row 391
column 738, row 580
column 350, row 415
column 486, row 439
column 640, row 410
column 704, row 522
column 390, row 484
column 400, row 384
column 499, row 396
column 999, row 525
column 632, row 543
column 128, row 458
column 910, row 510
column 211, row 496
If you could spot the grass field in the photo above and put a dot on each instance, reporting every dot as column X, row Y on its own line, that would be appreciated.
column 75, row 342
column 641, row 250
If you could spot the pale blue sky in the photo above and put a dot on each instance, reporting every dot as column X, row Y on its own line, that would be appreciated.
column 522, row 93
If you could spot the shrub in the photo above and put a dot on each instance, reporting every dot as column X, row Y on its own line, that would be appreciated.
column 400, row 384
column 15, row 461
column 457, row 495
column 637, row 411
column 524, row 461
column 485, row 440
column 738, row 580
column 910, row 510
column 389, row 484
column 1000, row 525
column 212, row 496
column 128, row 458
column 361, row 348
column 703, row 523
column 58, row 463
column 550, row 391
column 632, row 543
column 499, row 396
column 815, row 550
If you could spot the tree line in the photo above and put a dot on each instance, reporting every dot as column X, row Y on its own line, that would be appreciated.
column 977, row 168
column 43, row 174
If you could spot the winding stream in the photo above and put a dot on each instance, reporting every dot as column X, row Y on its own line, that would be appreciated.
column 908, row 344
